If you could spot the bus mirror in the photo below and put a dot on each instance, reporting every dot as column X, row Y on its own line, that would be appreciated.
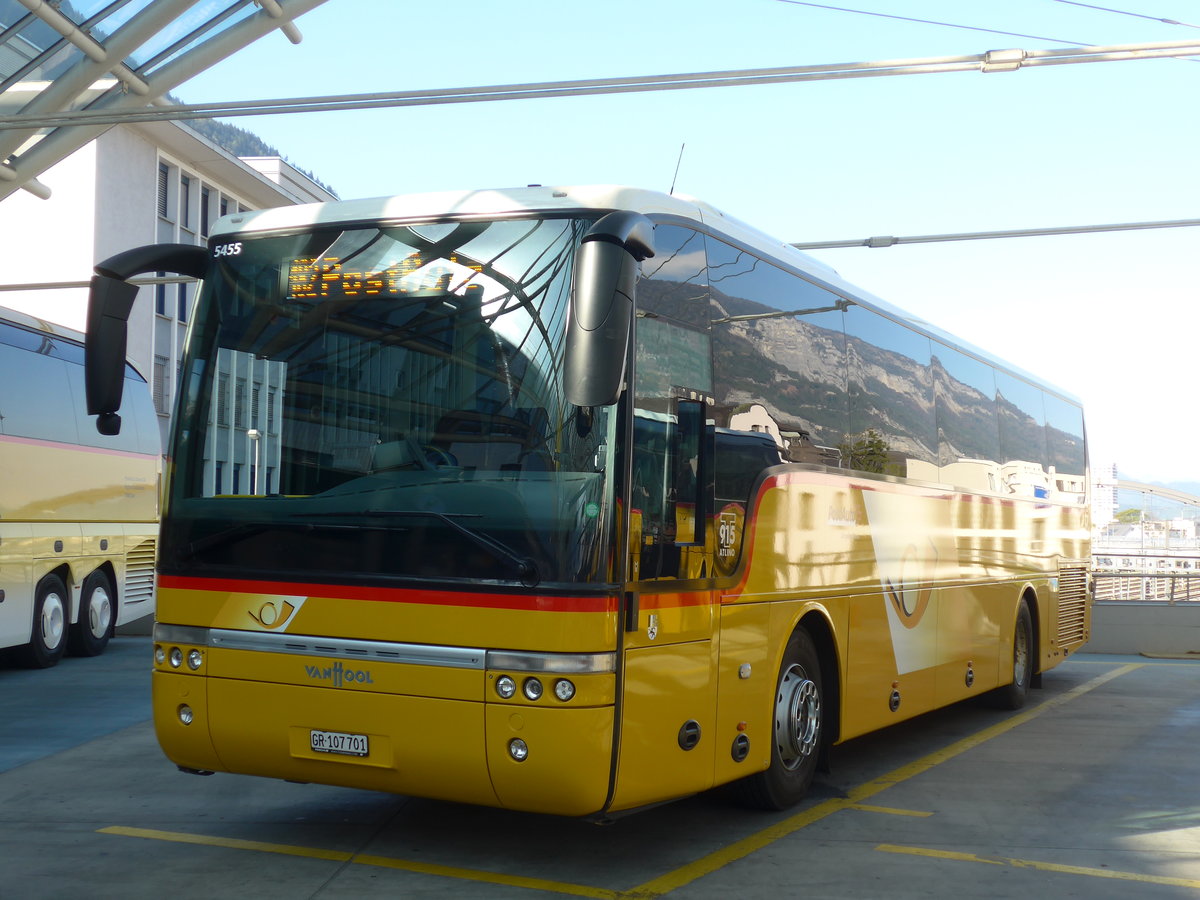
column 110, row 301
column 601, row 312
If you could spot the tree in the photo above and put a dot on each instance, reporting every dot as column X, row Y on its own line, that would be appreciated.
column 868, row 452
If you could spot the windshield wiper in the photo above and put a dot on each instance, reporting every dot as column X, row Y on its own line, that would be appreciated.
column 526, row 568
column 237, row 532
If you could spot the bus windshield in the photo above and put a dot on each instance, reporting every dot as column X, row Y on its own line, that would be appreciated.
column 384, row 403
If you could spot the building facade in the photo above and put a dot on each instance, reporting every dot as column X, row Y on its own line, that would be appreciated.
column 138, row 184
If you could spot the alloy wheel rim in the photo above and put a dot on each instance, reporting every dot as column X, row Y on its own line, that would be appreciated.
column 100, row 613
column 53, row 620
column 797, row 717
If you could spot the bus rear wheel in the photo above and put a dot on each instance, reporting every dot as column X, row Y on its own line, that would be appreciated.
column 798, row 730
column 48, row 637
column 89, row 636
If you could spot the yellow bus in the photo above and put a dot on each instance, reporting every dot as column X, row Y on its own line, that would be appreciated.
column 578, row 499
column 78, row 510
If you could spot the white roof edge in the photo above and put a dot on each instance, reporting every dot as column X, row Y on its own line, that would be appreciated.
column 24, row 319
column 495, row 201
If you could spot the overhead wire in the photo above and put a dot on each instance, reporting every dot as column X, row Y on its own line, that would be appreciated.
column 879, row 15
column 1125, row 12
column 991, row 61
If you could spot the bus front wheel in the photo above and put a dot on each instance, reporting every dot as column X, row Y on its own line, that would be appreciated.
column 48, row 637
column 89, row 636
column 1012, row 696
column 797, row 732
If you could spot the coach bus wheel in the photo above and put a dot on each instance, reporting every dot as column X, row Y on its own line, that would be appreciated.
column 89, row 636
column 797, row 730
column 48, row 639
column 1012, row 696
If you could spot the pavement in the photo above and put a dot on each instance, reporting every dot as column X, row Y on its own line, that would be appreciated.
column 1090, row 791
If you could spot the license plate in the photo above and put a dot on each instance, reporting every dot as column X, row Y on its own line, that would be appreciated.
column 338, row 742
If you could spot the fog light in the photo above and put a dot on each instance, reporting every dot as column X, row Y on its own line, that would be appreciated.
column 564, row 690
column 195, row 658
column 518, row 750
column 176, row 657
column 186, row 715
column 505, row 686
column 532, row 689
column 160, row 655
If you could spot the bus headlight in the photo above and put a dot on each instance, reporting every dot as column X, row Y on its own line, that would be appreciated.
column 532, row 688
column 160, row 655
column 186, row 715
column 176, row 657
column 194, row 659
column 505, row 686
column 518, row 750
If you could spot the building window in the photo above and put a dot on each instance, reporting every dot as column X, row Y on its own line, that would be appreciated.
column 160, row 388
column 160, row 295
column 224, row 206
column 239, row 404
column 205, row 208
column 237, row 478
column 222, row 402
column 181, row 303
column 254, row 406
column 219, row 478
column 164, row 179
column 185, row 201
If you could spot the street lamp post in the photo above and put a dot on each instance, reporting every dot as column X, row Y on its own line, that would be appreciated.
column 253, row 435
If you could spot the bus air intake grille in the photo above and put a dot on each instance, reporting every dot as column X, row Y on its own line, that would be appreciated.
column 139, row 573
column 1072, row 603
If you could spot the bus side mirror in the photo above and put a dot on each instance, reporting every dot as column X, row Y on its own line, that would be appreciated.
column 110, row 301
column 601, row 309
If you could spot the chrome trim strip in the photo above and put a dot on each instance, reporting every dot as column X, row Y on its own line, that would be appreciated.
column 345, row 648
column 389, row 651
column 552, row 663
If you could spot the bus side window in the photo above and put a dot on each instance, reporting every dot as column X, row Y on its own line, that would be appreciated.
column 672, row 361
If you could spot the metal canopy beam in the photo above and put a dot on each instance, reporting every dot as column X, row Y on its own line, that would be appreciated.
column 29, row 155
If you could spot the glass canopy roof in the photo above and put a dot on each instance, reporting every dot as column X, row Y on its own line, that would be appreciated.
column 113, row 55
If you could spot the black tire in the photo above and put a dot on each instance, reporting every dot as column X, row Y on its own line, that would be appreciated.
column 97, row 616
column 1013, row 696
column 798, row 730
column 48, row 635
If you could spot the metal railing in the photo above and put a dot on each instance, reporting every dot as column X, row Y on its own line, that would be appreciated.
column 1164, row 587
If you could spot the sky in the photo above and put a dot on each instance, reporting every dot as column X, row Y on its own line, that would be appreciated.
column 1109, row 318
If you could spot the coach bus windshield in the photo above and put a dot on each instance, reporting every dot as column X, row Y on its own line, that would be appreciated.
column 385, row 403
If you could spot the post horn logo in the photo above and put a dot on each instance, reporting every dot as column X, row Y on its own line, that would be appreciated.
column 911, row 599
column 273, row 614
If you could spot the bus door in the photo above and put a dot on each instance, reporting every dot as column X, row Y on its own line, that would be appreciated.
column 669, row 698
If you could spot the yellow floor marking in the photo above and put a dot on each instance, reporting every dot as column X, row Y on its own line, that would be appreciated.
column 940, row 854
column 1044, row 866
column 461, row 874
column 888, row 810
column 718, row 859
column 714, row 861
column 180, row 837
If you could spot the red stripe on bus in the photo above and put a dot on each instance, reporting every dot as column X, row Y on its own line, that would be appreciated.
column 476, row 599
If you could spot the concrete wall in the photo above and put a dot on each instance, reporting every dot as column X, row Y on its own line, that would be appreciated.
column 1145, row 627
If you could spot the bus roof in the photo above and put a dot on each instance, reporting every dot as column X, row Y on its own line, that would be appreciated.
column 35, row 324
column 567, row 199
